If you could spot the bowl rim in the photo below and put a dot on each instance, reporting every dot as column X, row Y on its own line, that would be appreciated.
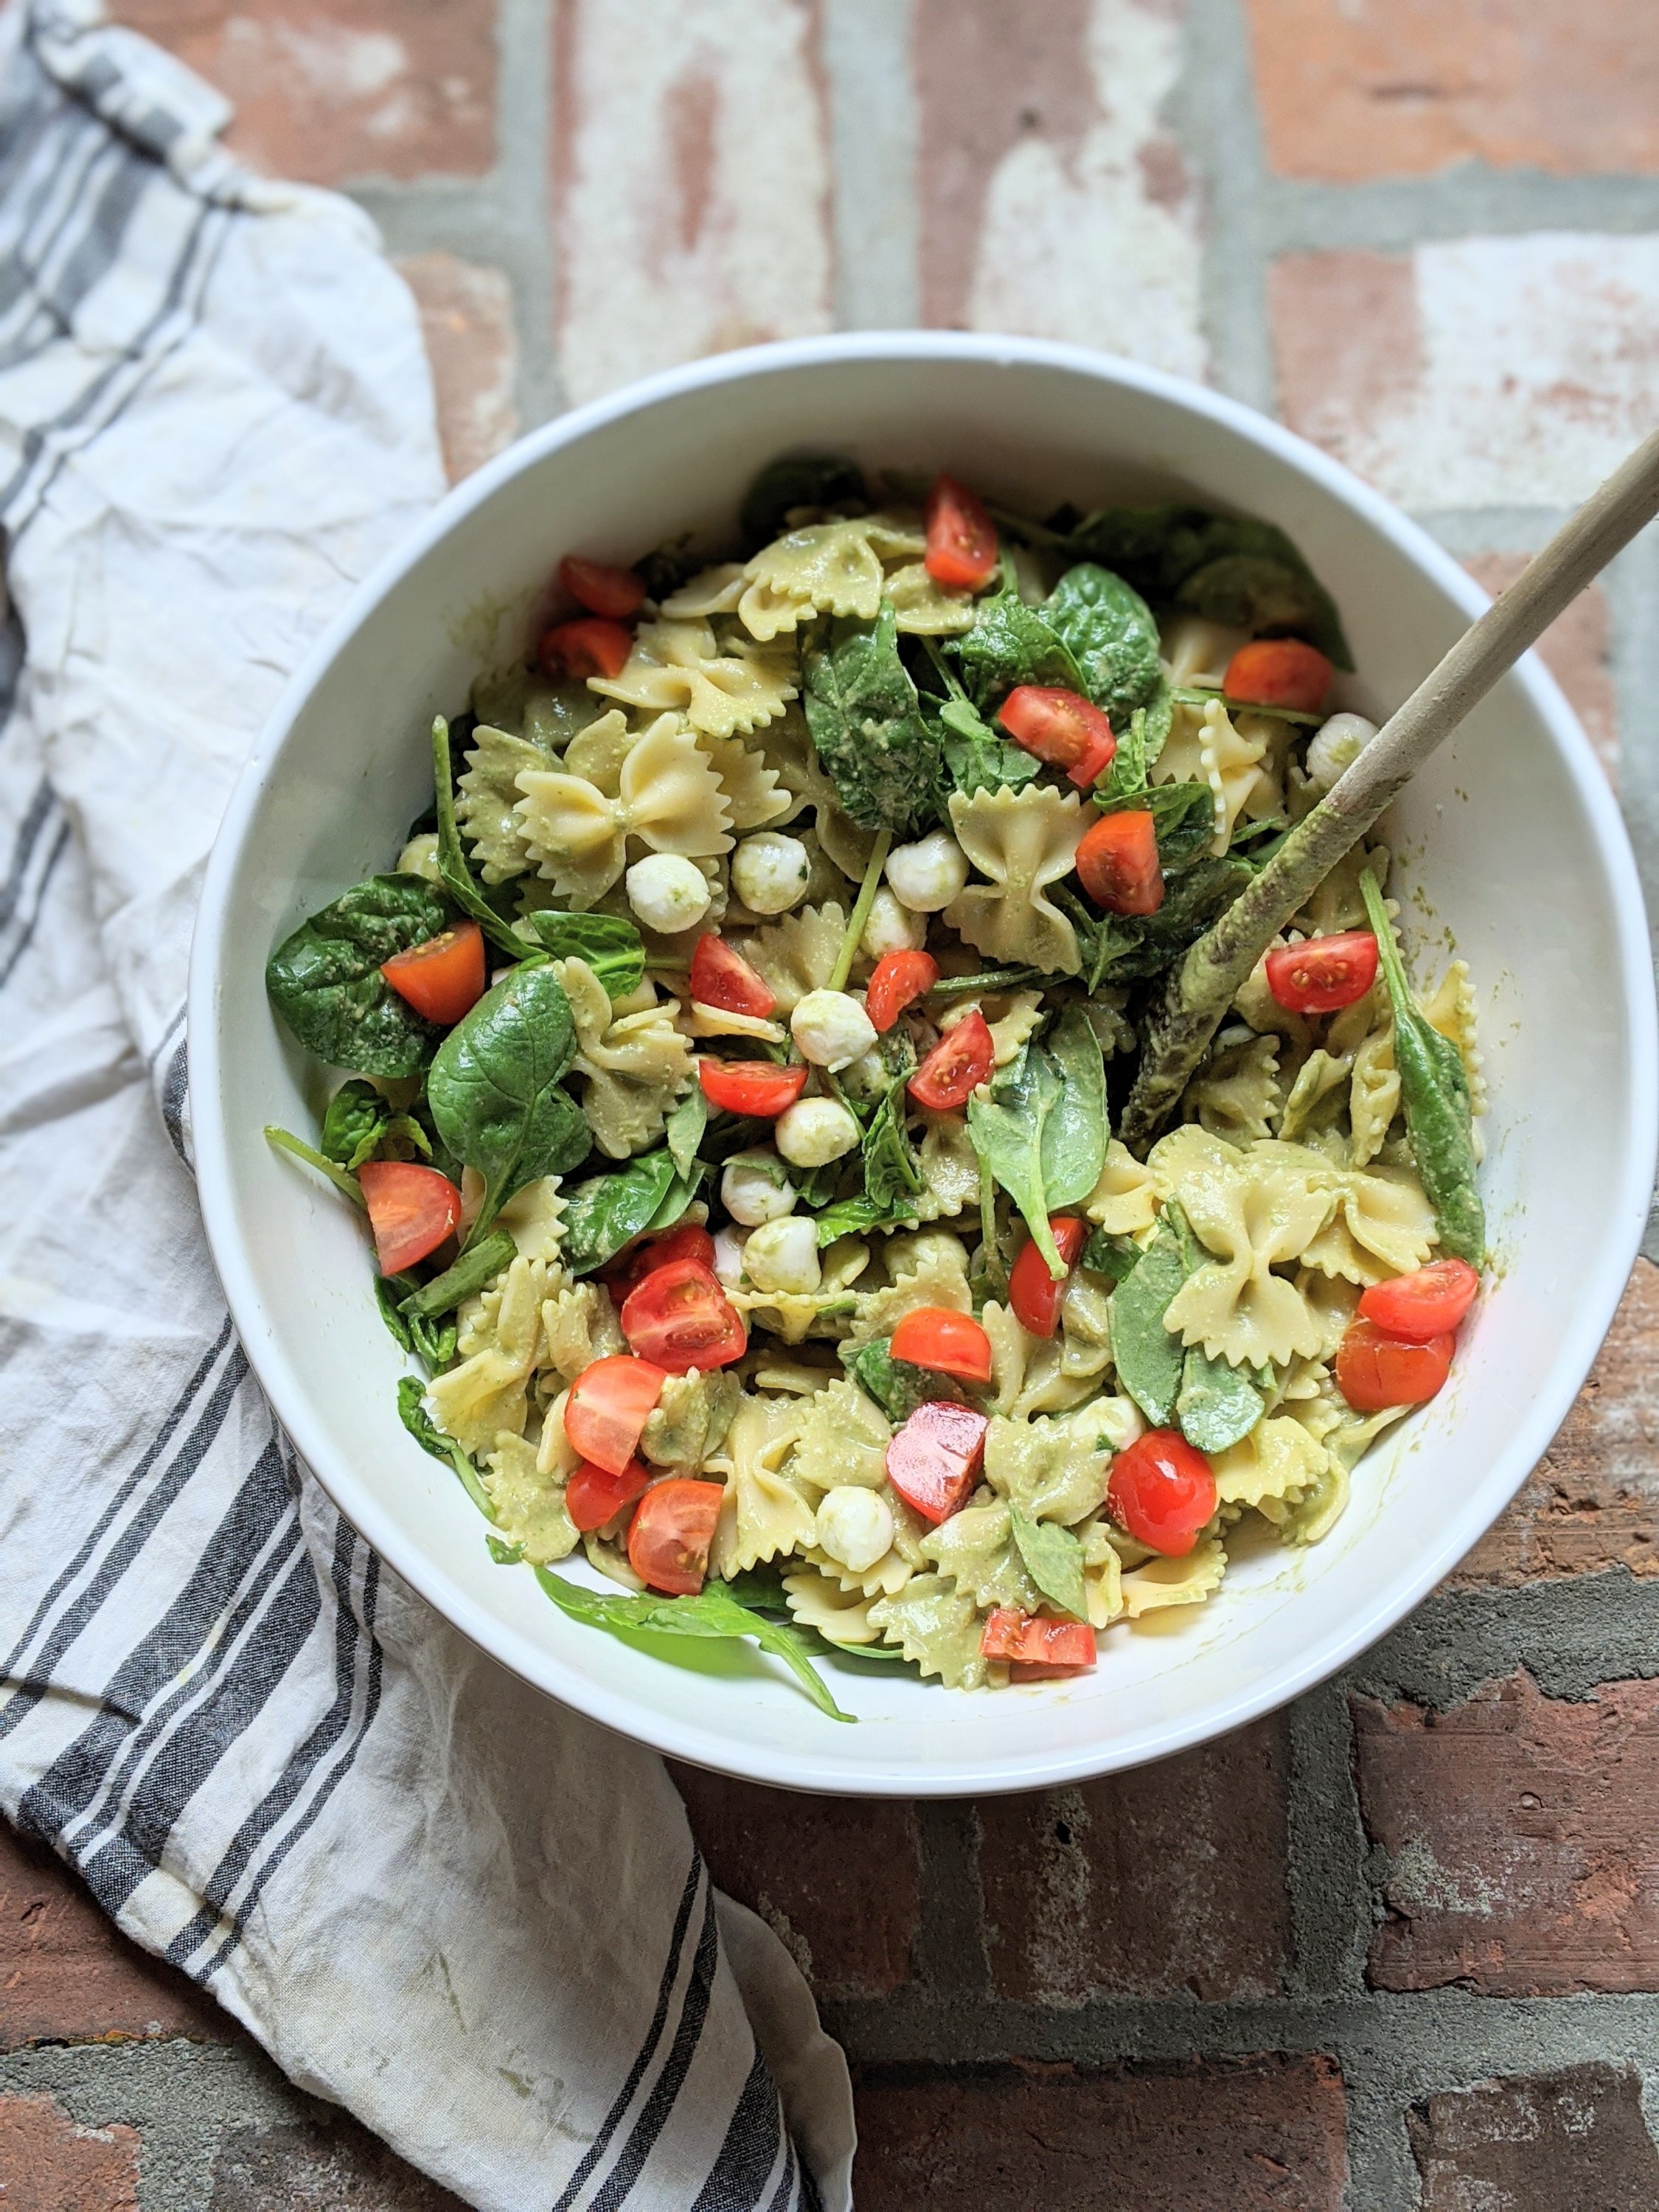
column 796, row 1768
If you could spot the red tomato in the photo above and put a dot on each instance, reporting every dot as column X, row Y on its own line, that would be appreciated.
column 630, row 1267
column 1279, row 671
column 950, row 1343
column 1033, row 1293
column 444, row 978
column 897, row 981
column 1037, row 1646
column 962, row 540
column 756, row 1087
column 410, row 1209
column 1162, row 1491
column 1061, row 727
column 721, row 977
column 593, row 1496
column 1431, row 1302
column 957, row 1065
column 1324, row 972
column 606, row 1411
column 589, row 647
column 933, row 1461
column 614, row 593
column 1118, row 863
column 1374, row 1370
column 668, row 1536
column 680, row 1317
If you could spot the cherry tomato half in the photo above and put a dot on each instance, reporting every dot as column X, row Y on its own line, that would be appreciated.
column 587, row 646
column 1033, row 1293
column 606, row 1411
column 668, row 1536
column 896, row 982
column 933, row 1461
column 1374, row 1371
column 1279, row 671
column 1324, row 972
column 956, row 1066
column 1429, row 1301
column 615, row 593
column 680, row 1317
column 1162, row 1491
column 593, row 1495
column 1118, row 864
column 721, row 977
column 755, row 1087
column 949, row 1342
column 962, row 538
column 630, row 1267
column 1036, row 1645
column 1061, row 727
column 410, row 1209
column 444, row 978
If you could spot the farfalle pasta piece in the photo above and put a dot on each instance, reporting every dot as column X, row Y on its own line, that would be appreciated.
column 679, row 667
column 902, row 1558
column 1159, row 1582
column 1383, row 1225
column 713, row 591
column 797, row 954
column 1124, row 1202
column 1450, row 1008
column 1054, row 1468
column 579, row 1326
column 670, row 797
column 1196, row 651
column 927, row 1270
column 976, row 1547
column 1234, row 1304
column 1278, row 1460
column 486, row 794
column 500, row 1337
column 1321, row 1087
column 1013, row 1018
column 924, row 608
column 529, row 1506
column 823, row 568
column 843, row 1439
column 633, row 1065
column 599, row 752
column 936, row 1627
column 1336, row 904
column 687, row 1424
column 1235, row 1093
column 763, row 1512
column 1205, row 746
column 1187, row 1151
column 818, row 1602
column 753, row 795
column 1023, row 840
column 949, row 1167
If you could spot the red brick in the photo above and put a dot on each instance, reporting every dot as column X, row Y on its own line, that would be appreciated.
column 839, row 1879
column 326, row 90
column 1547, row 2143
column 327, row 2167
column 1575, row 650
column 67, row 1974
column 1407, row 88
column 466, row 319
column 1256, row 2134
column 47, row 2164
column 1593, row 1501
column 1166, row 1879
column 1522, row 1839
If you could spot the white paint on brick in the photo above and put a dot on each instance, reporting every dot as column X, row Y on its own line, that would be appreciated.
column 1075, row 245
column 693, row 210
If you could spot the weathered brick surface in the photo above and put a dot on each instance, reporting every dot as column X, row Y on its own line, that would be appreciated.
column 1575, row 650
column 1541, row 2143
column 466, row 319
column 1520, row 1836
column 1405, row 89
column 47, row 2164
column 331, row 90
column 67, row 1974
column 1261, row 2134
column 839, row 1879
column 1052, row 199
column 1593, row 1501
column 1169, row 1879
column 333, row 2166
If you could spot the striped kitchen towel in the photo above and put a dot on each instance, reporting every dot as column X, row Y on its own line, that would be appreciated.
column 433, row 1895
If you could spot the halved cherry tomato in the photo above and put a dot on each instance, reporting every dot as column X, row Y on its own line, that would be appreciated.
column 721, row 977
column 1279, row 671
column 1324, row 972
column 668, row 1536
column 630, row 1267
column 587, row 646
column 1118, row 863
column 593, row 1495
column 1036, row 1645
column 680, row 1317
column 1374, row 1370
column 933, row 1461
column 1061, row 727
column 1429, row 1301
column 756, row 1087
column 949, row 1342
column 896, row 982
column 614, row 593
column 606, row 1411
column 956, row 1066
column 444, row 978
column 1033, row 1293
column 410, row 1209
column 962, row 538
column 1162, row 1490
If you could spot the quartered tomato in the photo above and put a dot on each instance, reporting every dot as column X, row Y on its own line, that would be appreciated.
column 1324, row 974
column 1429, row 1301
column 410, row 1209
column 956, row 1066
column 933, row 1461
column 721, row 977
column 897, row 981
column 606, row 1411
column 688, row 1241
column 668, row 1536
column 756, row 1087
column 1374, row 1371
column 1037, row 1647
column 1033, row 1293
column 1279, row 671
column 962, row 538
column 1061, row 727
column 590, row 646
column 1118, row 865
column 949, row 1342
column 444, row 978
column 593, row 1495
column 614, row 593
column 1162, row 1491
column 680, row 1317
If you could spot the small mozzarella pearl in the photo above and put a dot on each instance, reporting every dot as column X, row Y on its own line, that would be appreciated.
column 1336, row 746
column 420, row 857
column 891, row 929
column 929, row 874
column 854, row 1526
column 770, row 872
column 668, row 892
column 832, row 1029
column 783, row 1256
column 754, row 1188
column 813, row 1132
column 728, row 1255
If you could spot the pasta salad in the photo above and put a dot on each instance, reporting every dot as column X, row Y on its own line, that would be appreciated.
column 734, row 1054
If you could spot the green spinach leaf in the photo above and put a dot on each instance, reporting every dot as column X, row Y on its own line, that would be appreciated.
column 976, row 758
column 479, row 1264
column 892, row 1173
column 1150, row 1361
column 1011, row 644
column 827, row 480
column 355, row 1118
column 853, row 1217
column 898, row 1387
column 325, row 981
column 1217, row 1405
column 495, row 1089
column 1108, row 628
column 1110, row 1256
column 452, row 862
column 864, row 714
column 286, row 1141
column 683, row 1130
column 609, row 1211
column 1054, row 1560
column 611, row 946
column 430, row 1437
column 1041, row 1132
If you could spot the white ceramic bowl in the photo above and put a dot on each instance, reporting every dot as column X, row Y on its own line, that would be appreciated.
column 1511, row 840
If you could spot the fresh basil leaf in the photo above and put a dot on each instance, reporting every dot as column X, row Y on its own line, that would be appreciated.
column 1113, row 1256
column 975, row 758
column 431, row 1438
column 864, row 716
column 1011, row 644
column 684, row 1131
column 609, row 1211
column 324, row 979
column 798, row 480
column 1109, row 630
column 452, row 862
column 898, row 1387
column 1054, row 1560
column 1217, row 1405
column 494, row 1092
column 286, row 1141
column 1150, row 1361
column 353, row 1123
column 480, row 1264
column 611, row 946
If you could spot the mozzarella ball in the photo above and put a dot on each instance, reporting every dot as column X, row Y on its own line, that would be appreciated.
column 728, row 1255
column 854, row 1526
column 420, row 857
column 929, row 874
column 891, row 929
column 832, row 1029
column 868, row 1079
column 1336, row 746
column 783, row 1256
column 770, row 872
column 754, row 1188
column 668, row 892
column 815, row 1130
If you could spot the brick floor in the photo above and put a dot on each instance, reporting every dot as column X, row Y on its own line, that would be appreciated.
column 1538, row 2144
column 466, row 319
column 48, row 2164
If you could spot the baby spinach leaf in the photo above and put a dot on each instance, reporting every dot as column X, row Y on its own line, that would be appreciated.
column 683, row 1130
column 608, row 1210
column 495, row 1089
column 1136, row 543
column 325, row 981
column 1054, row 1560
column 1217, row 1405
column 1108, row 628
column 286, row 1141
column 851, row 1217
column 1074, row 1135
column 1011, row 644
column 1183, row 820
column 867, row 722
column 1113, row 1256
column 611, row 946
column 504, row 1555
column 388, row 1289
column 1041, row 1132
column 452, row 860
column 898, row 1387
column 798, row 480
column 1150, row 1361
column 667, row 566
column 480, row 1264
column 892, row 1173
column 355, row 1117
column 975, row 758
column 430, row 1437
